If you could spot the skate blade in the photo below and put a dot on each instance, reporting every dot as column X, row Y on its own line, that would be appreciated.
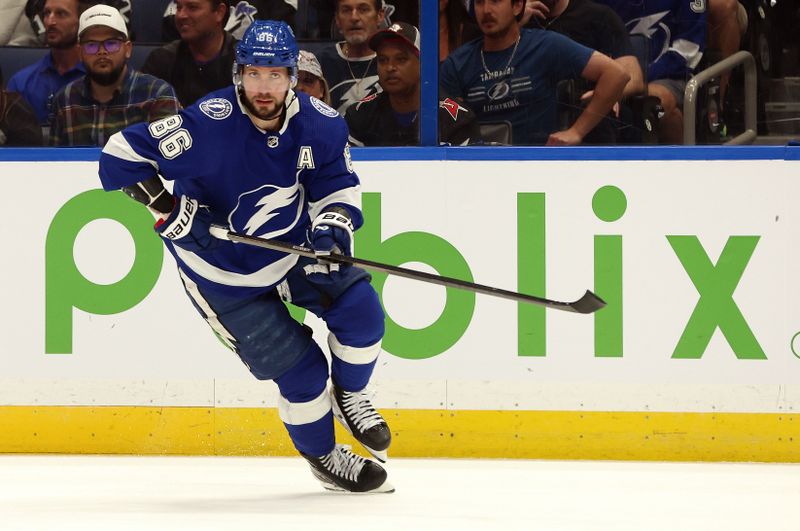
column 386, row 488
column 381, row 456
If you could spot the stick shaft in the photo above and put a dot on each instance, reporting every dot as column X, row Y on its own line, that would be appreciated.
column 587, row 304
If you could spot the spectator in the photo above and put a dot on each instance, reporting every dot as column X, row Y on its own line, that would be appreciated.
column 242, row 14
column 201, row 60
column 455, row 27
column 34, row 9
column 349, row 65
column 310, row 79
column 727, row 23
column 390, row 118
column 396, row 11
column 15, row 29
column 504, row 86
column 595, row 26
column 18, row 123
column 112, row 95
column 39, row 82
column 676, row 31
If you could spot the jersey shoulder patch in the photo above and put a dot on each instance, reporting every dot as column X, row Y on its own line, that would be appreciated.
column 216, row 108
column 323, row 108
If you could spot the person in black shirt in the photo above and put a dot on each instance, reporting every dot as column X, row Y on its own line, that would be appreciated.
column 390, row 118
column 201, row 61
column 595, row 26
column 242, row 14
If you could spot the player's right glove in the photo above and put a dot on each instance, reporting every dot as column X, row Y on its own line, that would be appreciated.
column 187, row 226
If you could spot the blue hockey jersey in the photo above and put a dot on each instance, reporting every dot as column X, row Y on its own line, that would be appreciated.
column 261, row 183
column 675, row 29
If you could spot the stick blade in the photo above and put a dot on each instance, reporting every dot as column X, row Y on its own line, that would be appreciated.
column 589, row 303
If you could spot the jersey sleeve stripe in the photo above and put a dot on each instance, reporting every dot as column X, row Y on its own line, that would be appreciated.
column 348, row 196
column 119, row 147
column 688, row 50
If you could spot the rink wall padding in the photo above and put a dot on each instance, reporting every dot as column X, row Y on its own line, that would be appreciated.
column 465, row 434
column 696, row 356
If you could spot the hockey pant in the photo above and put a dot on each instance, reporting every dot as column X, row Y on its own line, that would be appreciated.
column 274, row 346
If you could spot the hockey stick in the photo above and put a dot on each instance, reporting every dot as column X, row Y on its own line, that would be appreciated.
column 588, row 303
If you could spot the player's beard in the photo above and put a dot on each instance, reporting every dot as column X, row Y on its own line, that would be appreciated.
column 263, row 114
column 106, row 79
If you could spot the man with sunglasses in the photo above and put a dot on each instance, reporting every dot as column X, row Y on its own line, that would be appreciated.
column 112, row 95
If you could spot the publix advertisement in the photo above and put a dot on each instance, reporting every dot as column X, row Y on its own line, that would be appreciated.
column 697, row 260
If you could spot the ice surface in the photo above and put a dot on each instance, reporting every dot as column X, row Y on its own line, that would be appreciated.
column 203, row 493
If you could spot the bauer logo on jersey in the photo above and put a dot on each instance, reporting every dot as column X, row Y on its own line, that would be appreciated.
column 268, row 211
column 324, row 108
column 216, row 108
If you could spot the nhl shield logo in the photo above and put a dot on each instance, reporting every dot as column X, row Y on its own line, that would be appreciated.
column 272, row 141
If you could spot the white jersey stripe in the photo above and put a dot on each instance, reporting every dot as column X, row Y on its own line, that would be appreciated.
column 211, row 315
column 354, row 355
column 119, row 147
column 268, row 275
column 348, row 196
column 296, row 413
column 689, row 50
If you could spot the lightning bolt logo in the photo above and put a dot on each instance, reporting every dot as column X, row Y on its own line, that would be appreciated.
column 646, row 26
column 352, row 92
column 271, row 205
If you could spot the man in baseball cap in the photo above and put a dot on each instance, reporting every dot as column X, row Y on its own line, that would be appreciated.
column 400, row 32
column 390, row 118
column 126, row 96
column 102, row 15
column 310, row 79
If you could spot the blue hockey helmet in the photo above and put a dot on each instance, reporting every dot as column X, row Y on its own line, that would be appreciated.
column 267, row 43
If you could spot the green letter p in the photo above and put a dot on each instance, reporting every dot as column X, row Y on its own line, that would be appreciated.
column 66, row 288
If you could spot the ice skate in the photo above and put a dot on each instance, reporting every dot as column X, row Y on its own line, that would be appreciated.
column 343, row 471
column 356, row 413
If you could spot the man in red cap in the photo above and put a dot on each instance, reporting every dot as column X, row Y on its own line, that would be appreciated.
column 390, row 118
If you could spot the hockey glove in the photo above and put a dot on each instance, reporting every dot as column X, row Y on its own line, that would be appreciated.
column 331, row 232
column 187, row 226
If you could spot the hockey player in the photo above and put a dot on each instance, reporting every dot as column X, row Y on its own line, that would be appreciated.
column 264, row 160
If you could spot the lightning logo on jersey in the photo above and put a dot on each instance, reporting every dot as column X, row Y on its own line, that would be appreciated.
column 268, row 205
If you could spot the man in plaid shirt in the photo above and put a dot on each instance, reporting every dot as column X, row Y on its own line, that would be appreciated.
column 111, row 96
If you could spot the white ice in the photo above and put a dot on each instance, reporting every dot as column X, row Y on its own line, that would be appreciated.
column 230, row 493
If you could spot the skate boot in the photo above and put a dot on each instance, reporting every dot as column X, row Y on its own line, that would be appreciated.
column 343, row 471
column 355, row 412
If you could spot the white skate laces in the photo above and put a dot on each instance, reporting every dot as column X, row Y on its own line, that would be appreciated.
column 358, row 408
column 343, row 462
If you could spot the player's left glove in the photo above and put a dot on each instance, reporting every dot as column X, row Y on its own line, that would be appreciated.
column 187, row 226
column 331, row 232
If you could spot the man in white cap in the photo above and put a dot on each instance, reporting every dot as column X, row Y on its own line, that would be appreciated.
column 124, row 95
column 310, row 79
column 391, row 117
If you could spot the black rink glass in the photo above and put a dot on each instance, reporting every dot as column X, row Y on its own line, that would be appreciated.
column 110, row 45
